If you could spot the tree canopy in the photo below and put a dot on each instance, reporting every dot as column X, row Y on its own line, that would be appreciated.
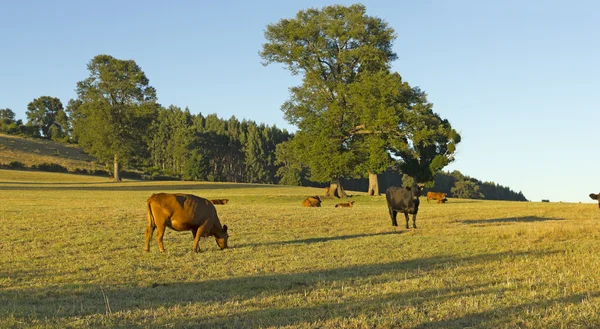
column 48, row 115
column 116, row 107
column 354, row 116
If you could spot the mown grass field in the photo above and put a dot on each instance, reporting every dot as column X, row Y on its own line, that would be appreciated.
column 70, row 244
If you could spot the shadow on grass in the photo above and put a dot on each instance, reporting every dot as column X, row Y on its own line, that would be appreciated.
column 507, row 316
column 319, row 239
column 528, row 219
column 52, row 303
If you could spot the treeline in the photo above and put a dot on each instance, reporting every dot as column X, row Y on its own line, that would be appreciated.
column 194, row 147
column 454, row 184
column 187, row 146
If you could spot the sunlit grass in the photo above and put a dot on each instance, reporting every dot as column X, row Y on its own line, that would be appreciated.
column 71, row 240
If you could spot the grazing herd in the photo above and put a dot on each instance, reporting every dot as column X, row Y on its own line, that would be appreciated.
column 186, row 212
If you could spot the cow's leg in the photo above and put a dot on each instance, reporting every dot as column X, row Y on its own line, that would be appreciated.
column 199, row 233
column 160, row 232
column 414, row 220
column 406, row 215
column 149, row 232
column 393, row 216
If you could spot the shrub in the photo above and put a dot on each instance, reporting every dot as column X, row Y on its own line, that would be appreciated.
column 16, row 165
column 51, row 167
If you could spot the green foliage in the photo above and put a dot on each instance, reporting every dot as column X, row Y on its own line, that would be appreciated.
column 8, row 124
column 331, row 47
column 291, row 171
column 115, row 108
column 51, row 167
column 455, row 184
column 466, row 189
column 429, row 143
column 47, row 113
column 16, row 165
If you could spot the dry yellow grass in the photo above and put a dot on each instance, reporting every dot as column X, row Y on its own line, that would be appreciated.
column 72, row 257
column 30, row 151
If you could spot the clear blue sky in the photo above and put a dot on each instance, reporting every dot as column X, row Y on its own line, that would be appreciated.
column 520, row 80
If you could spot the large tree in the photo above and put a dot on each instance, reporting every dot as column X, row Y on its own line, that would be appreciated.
column 331, row 48
column 48, row 114
column 428, row 143
column 117, row 106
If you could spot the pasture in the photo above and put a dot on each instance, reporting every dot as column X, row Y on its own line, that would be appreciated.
column 71, row 256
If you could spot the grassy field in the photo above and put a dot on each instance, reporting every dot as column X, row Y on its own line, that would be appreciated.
column 72, row 257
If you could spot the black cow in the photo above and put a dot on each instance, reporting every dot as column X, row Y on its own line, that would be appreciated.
column 404, row 200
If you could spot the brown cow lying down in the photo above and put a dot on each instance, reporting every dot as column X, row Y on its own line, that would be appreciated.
column 345, row 205
column 219, row 201
column 184, row 212
column 595, row 197
column 311, row 201
column 439, row 196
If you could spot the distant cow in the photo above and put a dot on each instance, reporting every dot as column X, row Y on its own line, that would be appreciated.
column 440, row 197
column 184, row 212
column 327, row 191
column 312, row 201
column 404, row 200
column 219, row 201
column 345, row 205
column 545, row 200
column 595, row 197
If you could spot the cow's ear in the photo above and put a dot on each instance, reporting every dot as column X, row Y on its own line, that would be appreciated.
column 224, row 228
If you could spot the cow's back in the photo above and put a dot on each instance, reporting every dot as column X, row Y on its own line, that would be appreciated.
column 401, row 199
column 186, row 207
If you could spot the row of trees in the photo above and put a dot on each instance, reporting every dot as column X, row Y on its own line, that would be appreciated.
column 355, row 117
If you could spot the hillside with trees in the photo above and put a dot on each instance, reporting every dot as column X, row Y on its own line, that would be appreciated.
column 360, row 125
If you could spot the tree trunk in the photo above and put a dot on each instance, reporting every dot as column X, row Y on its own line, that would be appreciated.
column 373, row 185
column 117, row 173
column 336, row 190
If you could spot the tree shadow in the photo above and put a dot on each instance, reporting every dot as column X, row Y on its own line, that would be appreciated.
column 527, row 219
column 76, row 300
column 318, row 239
column 496, row 317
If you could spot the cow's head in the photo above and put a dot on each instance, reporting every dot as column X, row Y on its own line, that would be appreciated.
column 222, row 238
column 416, row 190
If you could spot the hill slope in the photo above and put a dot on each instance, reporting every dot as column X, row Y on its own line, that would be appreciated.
column 31, row 152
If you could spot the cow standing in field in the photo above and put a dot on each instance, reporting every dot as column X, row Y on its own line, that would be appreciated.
column 404, row 200
column 345, row 205
column 595, row 197
column 440, row 197
column 312, row 201
column 219, row 201
column 184, row 212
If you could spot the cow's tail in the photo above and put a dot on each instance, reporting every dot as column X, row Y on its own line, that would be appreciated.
column 151, row 221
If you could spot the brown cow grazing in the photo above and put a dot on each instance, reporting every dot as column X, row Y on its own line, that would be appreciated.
column 312, row 201
column 439, row 196
column 184, row 212
column 219, row 201
column 595, row 197
column 345, row 205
